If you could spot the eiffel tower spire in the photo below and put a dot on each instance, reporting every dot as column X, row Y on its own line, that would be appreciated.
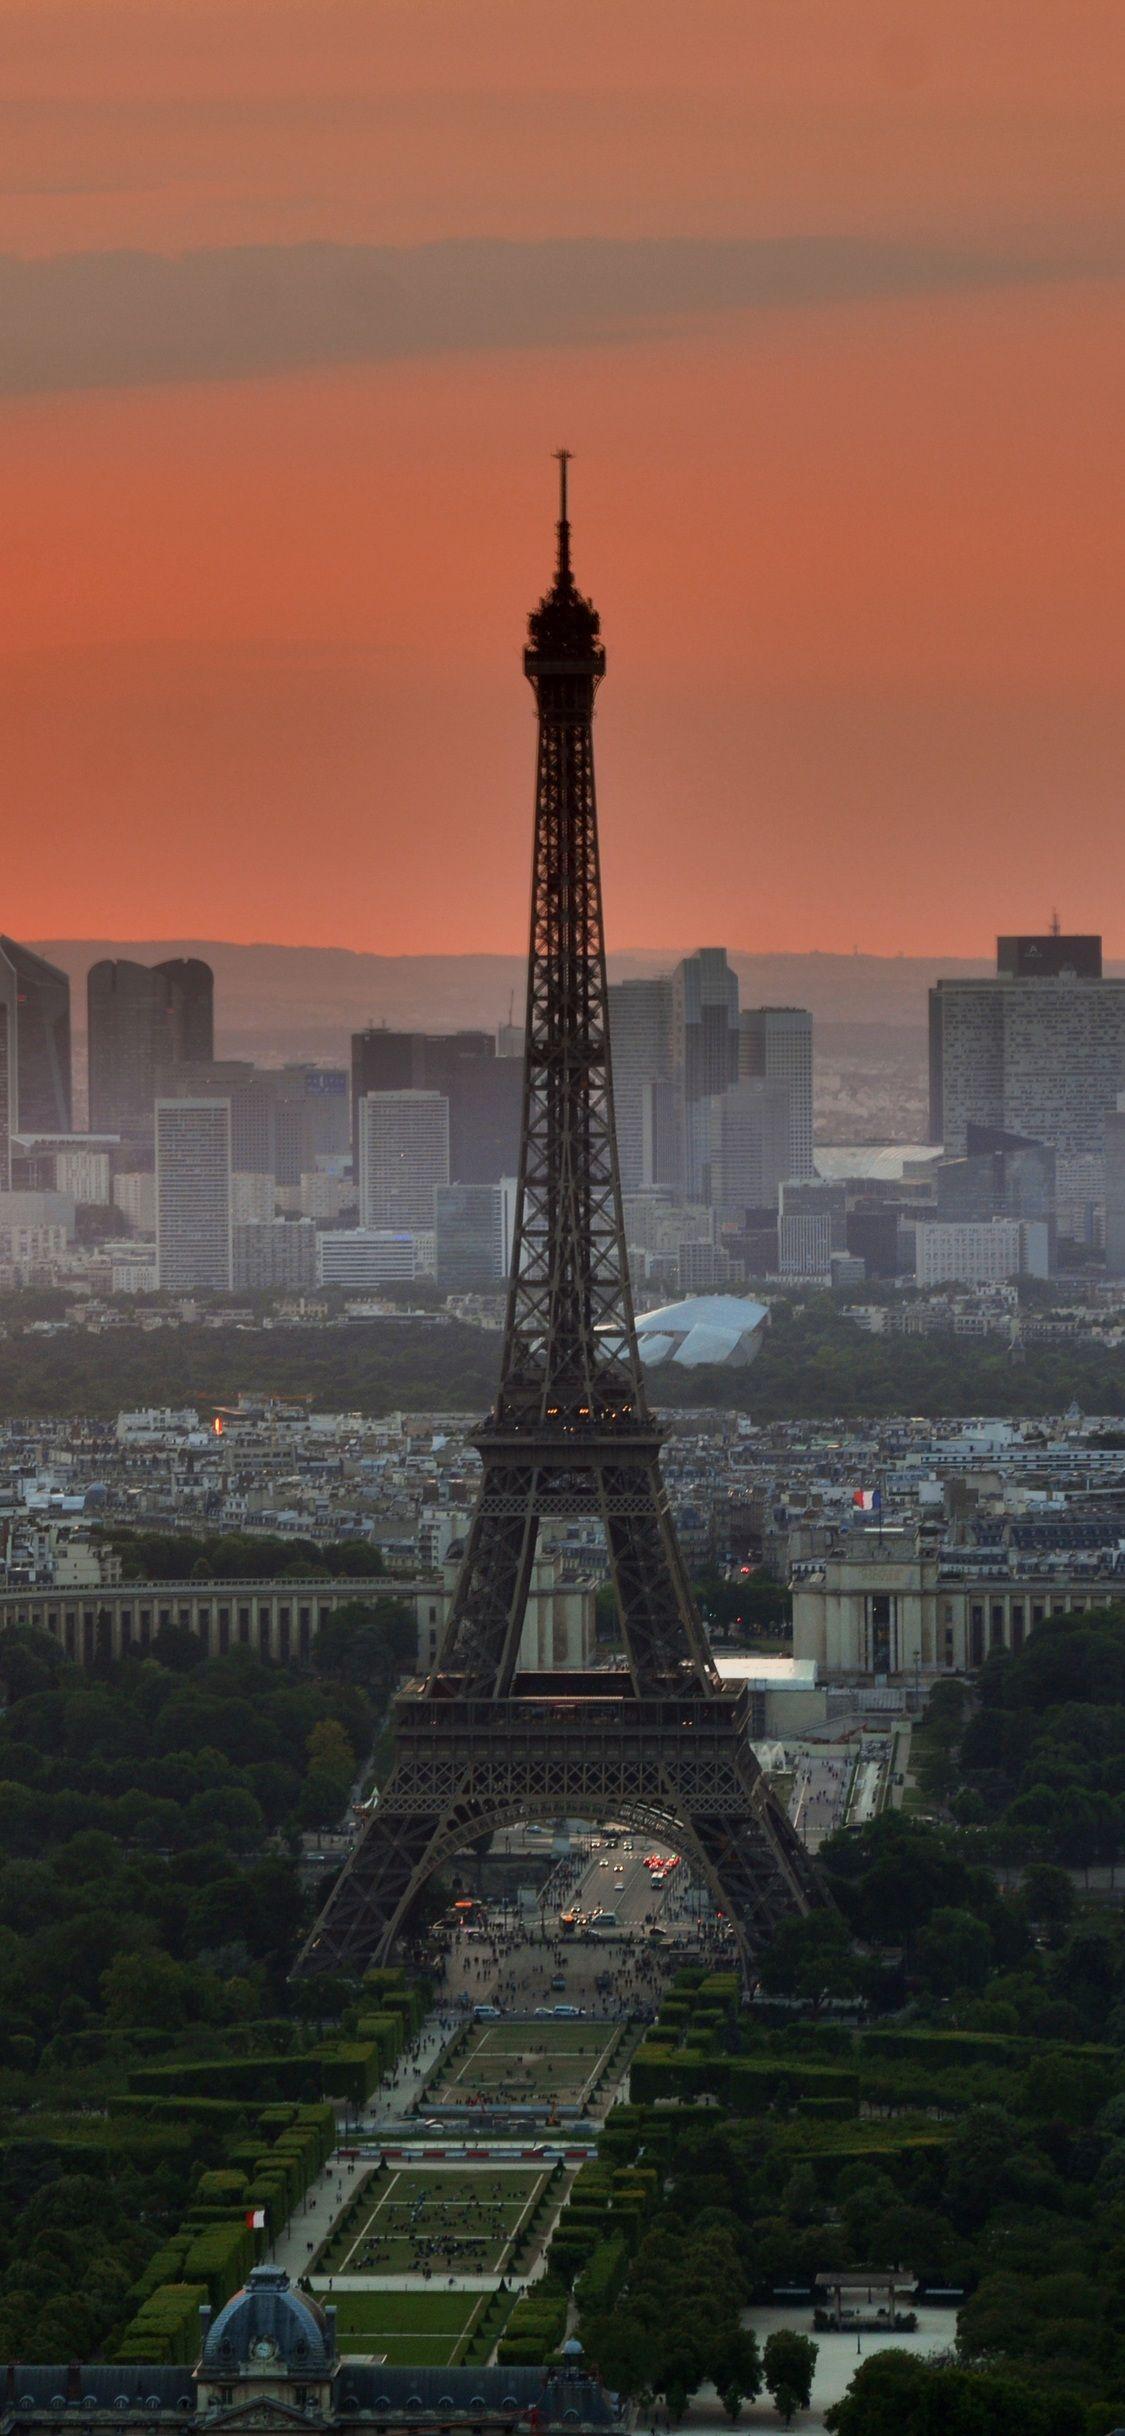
column 478, row 1744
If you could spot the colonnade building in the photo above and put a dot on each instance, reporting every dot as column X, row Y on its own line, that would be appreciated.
column 897, row 1604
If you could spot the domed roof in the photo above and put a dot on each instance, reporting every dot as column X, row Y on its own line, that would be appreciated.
column 269, row 2324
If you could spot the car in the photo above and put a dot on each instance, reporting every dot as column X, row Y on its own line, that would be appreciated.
column 486, row 2013
column 558, row 1983
column 543, row 2013
column 567, row 2013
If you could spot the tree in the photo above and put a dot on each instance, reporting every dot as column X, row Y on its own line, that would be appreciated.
column 1048, row 1892
column 147, row 1992
column 810, row 1957
column 788, row 2363
column 328, row 1747
column 621, row 2352
column 735, row 2368
column 954, row 1951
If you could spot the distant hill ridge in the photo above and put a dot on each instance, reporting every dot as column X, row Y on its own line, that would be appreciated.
column 306, row 1000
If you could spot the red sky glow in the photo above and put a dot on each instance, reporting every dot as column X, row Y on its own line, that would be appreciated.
column 299, row 295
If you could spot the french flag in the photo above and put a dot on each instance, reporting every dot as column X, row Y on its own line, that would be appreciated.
column 869, row 1501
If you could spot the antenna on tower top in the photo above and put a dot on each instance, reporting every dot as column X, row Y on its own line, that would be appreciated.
column 1056, row 925
column 563, row 527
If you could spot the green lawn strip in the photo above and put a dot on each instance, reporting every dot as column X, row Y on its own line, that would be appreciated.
column 405, row 2351
column 398, row 2313
column 445, row 2193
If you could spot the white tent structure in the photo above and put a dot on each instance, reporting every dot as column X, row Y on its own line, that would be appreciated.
column 716, row 1328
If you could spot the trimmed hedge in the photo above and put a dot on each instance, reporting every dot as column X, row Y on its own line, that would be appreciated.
column 166, row 2327
column 536, row 2327
column 234, row 2077
column 220, row 2258
column 601, row 2281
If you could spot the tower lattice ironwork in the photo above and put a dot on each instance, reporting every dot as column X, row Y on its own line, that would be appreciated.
column 480, row 1745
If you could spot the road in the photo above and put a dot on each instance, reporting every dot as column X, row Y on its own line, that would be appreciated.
column 821, row 1777
column 615, row 1879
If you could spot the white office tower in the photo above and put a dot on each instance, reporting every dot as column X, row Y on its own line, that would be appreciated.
column 403, row 1158
column 984, row 1252
column 194, row 1246
column 776, row 1043
column 748, row 1148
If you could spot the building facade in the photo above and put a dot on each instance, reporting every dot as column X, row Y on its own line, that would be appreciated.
column 37, row 998
column 890, row 1605
column 776, row 1043
column 141, row 1021
column 1038, row 1051
column 812, row 1225
column 403, row 1158
column 278, row 1253
column 748, row 1147
column 979, row 1252
column 365, row 1258
column 473, row 1236
column 640, row 1035
column 194, row 1235
column 705, row 1051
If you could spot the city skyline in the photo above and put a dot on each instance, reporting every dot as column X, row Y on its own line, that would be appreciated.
column 832, row 333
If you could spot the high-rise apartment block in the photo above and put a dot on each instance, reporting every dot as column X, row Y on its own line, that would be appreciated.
column 143, row 1020
column 776, row 1043
column 272, row 1254
column 403, row 1158
column 36, row 996
column 1038, row 1051
column 194, row 1247
column 473, row 1228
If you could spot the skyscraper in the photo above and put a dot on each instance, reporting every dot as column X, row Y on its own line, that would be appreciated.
column 747, row 1147
column 37, row 997
column 5, row 1102
column 704, row 1050
column 403, row 1157
column 777, row 1043
column 193, row 1194
column 640, row 1032
column 142, row 1021
column 1115, row 1189
column 473, row 1226
column 1038, row 1051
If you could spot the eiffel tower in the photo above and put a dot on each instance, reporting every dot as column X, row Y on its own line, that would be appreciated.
column 660, row 1742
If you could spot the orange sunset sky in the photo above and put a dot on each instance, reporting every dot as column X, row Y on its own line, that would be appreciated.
column 297, row 297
